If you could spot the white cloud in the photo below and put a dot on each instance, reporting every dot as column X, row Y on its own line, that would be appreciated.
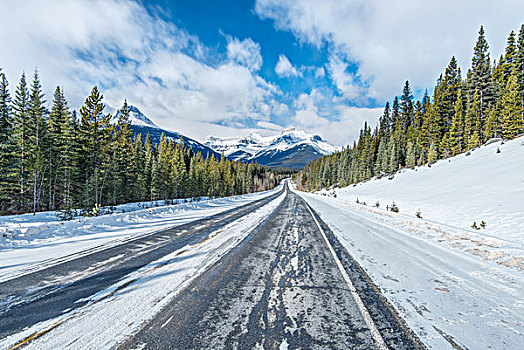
column 278, row 108
column 245, row 52
column 346, row 83
column 320, row 73
column 339, row 127
column 284, row 68
column 392, row 41
column 132, row 54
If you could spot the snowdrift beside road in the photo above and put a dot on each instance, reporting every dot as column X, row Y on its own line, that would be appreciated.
column 29, row 241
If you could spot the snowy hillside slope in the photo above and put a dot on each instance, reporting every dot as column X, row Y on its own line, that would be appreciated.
column 291, row 148
column 457, row 287
column 483, row 186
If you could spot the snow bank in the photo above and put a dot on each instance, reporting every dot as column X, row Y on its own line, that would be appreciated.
column 30, row 242
column 484, row 186
column 445, row 295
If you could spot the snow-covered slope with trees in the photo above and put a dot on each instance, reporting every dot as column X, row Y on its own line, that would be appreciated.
column 291, row 148
column 485, row 184
column 456, row 286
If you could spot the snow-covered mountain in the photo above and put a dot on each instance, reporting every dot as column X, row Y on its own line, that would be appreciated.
column 141, row 124
column 291, row 148
column 136, row 117
column 238, row 148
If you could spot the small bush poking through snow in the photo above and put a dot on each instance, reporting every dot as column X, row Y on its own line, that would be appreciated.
column 483, row 224
column 377, row 204
column 394, row 207
column 418, row 214
column 474, row 226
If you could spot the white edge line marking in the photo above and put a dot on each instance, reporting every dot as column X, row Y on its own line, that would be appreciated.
column 363, row 311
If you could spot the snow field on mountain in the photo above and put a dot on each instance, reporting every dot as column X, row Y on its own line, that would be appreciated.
column 255, row 146
column 113, row 314
column 32, row 241
column 450, row 282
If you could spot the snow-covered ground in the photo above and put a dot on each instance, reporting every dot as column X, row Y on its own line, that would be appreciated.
column 484, row 186
column 450, row 282
column 31, row 242
column 113, row 314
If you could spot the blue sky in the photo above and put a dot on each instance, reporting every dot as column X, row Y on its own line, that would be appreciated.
column 216, row 22
column 229, row 68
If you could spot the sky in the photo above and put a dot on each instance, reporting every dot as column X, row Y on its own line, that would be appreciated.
column 229, row 68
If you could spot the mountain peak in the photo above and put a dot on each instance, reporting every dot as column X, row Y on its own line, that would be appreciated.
column 136, row 117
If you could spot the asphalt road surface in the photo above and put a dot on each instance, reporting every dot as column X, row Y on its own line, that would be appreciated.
column 282, row 288
column 288, row 285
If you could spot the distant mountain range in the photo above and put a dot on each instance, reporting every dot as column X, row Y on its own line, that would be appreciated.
column 290, row 149
column 143, row 125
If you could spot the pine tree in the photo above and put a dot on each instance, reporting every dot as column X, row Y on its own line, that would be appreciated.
column 449, row 88
column 8, row 166
column 512, row 109
column 410, row 155
column 59, row 152
column 432, row 153
column 5, row 113
column 510, row 56
column 150, row 158
column 122, row 151
column 96, row 133
column 406, row 107
column 456, row 133
column 472, row 128
column 139, row 175
column 479, row 77
column 20, row 108
column 163, row 168
column 36, row 139
column 519, row 64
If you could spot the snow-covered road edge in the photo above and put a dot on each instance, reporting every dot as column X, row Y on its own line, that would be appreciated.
column 118, row 311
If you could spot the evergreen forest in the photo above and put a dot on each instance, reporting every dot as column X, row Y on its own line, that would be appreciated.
column 59, row 159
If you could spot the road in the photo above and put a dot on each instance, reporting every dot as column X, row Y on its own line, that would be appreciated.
column 288, row 285
column 281, row 286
